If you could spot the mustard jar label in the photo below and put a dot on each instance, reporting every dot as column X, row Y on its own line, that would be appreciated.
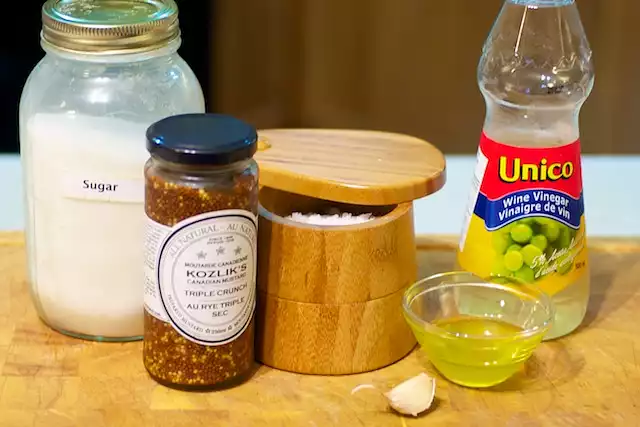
column 206, row 276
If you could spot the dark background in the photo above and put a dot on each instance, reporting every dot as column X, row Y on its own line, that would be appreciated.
column 404, row 66
column 17, row 59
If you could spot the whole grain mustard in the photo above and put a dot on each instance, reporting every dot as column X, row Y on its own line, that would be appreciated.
column 201, row 202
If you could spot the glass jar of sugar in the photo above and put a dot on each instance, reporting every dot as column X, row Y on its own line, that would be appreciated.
column 111, row 69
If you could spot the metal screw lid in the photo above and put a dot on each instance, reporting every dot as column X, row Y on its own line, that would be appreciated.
column 109, row 27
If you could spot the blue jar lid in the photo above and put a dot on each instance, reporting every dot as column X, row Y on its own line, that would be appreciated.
column 202, row 139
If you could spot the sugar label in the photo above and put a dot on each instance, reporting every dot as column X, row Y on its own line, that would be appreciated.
column 102, row 188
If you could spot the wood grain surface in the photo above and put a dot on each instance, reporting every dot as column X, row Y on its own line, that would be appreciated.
column 329, row 297
column 351, row 166
column 336, row 265
column 331, row 339
column 591, row 378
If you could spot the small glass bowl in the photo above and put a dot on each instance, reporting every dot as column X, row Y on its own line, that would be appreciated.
column 476, row 332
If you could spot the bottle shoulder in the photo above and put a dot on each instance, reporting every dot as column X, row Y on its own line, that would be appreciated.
column 538, row 51
column 139, row 91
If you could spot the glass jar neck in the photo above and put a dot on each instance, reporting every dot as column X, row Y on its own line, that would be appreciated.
column 110, row 58
column 200, row 170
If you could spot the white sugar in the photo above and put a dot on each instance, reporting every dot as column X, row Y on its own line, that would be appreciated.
column 86, row 258
column 331, row 219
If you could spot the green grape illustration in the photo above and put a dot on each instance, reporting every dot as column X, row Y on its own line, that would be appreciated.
column 540, row 241
column 526, row 274
column 513, row 261
column 507, row 228
column 551, row 230
column 544, row 220
column 530, row 253
column 535, row 227
column 501, row 242
column 549, row 251
column 564, row 238
column 499, row 269
column 515, row 247
column 521, row 233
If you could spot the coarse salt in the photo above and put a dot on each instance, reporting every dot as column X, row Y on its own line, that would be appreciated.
column 330, row 219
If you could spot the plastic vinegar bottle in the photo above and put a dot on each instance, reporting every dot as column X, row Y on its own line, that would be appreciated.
column 525, row 217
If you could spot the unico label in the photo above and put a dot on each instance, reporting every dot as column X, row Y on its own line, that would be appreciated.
column 525, row 217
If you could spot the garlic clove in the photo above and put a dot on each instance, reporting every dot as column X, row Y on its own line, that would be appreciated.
column 413, row 396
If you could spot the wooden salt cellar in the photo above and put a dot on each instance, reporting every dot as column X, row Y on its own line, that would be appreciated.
column 329, row 297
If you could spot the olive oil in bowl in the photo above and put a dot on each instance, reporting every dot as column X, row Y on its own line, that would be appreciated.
column 476, row 333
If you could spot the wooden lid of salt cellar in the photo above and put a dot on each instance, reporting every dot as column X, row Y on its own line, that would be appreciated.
column 350, row 166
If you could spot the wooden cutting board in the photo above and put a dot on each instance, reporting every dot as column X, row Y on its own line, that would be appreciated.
column 589, row 379
column 350, row 166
